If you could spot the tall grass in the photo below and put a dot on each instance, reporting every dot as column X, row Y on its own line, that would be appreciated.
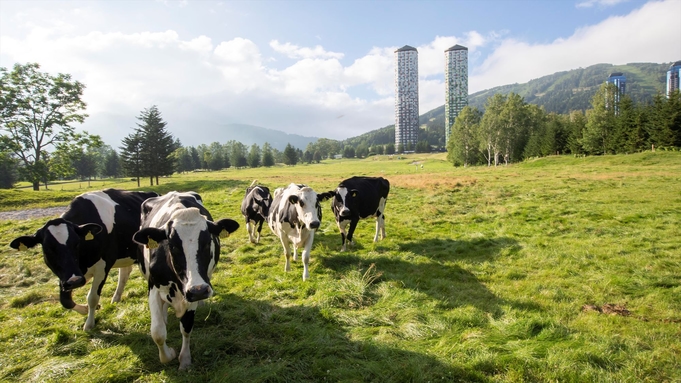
column 487, row 274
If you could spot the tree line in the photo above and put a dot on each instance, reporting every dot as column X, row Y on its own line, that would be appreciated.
column 511, row 130
column 40, row 144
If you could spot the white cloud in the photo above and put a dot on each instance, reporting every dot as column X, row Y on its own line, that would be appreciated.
column 296, row 52
column 601, row 3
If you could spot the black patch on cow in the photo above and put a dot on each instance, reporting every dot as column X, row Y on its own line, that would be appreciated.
column 187, row 321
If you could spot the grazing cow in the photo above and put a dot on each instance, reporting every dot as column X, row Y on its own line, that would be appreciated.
column 358, row 198
column 93, row 236
column 294, row 217
column 179, row 253
column 256, row 207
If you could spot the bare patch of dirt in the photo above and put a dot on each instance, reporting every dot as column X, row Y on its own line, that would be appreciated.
column 608, row 308
column 32, row 213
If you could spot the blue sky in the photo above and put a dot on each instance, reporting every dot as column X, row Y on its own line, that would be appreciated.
column 315, row 68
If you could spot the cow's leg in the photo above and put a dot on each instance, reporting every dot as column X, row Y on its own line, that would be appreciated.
column 66, row 300
column 381, row 219
column 158, row 326
column 306, row 255
column 257, row 239
column 186, row 325
column 123, row 276
column 249, row 229
column 98, row 279
column 295, row 252
column 341, row 226
column 351, row 230
column 287, row 251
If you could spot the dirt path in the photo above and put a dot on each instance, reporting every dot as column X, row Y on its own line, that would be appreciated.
column 32, row 213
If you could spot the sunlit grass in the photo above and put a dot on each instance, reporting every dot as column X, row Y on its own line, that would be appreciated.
column 484, row 276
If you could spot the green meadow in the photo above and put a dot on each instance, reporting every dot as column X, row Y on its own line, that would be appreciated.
column 556, row 269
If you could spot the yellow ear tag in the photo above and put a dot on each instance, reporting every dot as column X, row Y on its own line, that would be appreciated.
column 89, row 236
column 152, row 244
column 224, row 233
column 22, row 247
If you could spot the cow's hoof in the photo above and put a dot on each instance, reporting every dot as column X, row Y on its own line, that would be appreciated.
column 88, row 326
column 169, row 354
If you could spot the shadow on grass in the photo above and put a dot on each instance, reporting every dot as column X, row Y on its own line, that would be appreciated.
column 472, row 251
column 451, row 285
column 238, row 340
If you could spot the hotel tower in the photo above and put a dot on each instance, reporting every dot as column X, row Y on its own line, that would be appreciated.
column 406, row 98
column 456, row 83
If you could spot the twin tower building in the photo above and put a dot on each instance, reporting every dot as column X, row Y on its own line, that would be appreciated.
column 407, row 92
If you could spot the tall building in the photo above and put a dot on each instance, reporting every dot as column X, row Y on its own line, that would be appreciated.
column 456, row 82
column 406, row 97
column 673, row 75
column 620, row 81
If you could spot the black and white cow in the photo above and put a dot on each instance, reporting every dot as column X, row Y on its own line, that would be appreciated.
column 180, row 251
column 256, row 207
column 294, row 218
column 358, row 198
column 93, row 236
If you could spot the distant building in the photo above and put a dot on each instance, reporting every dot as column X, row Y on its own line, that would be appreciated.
column 406, row 97
column 620, row 81
column 456, row 82
column 673, row 75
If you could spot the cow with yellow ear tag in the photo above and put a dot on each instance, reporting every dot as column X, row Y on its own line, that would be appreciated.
column 93, row 236
column 179, row 249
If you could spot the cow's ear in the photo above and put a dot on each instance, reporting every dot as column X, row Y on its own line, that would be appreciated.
column 150, row 237
column 293, row 199
column 223, row 227
column 88, row 231
column 326, row 195
column 25, row 242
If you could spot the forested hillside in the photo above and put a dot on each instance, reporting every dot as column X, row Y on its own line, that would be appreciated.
column 560, row 92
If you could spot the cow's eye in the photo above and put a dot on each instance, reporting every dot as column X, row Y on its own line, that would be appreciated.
column 302, row 204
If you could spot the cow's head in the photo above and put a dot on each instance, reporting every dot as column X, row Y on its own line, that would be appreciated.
column 307, row 204
column 61, row 241
column 345, row 201
column 263, row 200
column 191, row 245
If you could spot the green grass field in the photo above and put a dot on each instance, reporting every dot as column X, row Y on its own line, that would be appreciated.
column 557, row 269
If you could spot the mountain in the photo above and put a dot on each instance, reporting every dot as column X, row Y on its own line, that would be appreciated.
column 249, row 135
column 560, row 92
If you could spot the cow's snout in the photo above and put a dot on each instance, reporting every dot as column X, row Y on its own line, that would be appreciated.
column 345, row 212
column 73, row 282
column 197, row 293
column 314, row 225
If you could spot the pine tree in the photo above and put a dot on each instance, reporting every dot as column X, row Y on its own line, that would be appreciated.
column 267, row 155
column 158, row 145
column 290, row 155
column 131, row 156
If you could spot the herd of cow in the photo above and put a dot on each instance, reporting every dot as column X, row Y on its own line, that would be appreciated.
column 175, row 242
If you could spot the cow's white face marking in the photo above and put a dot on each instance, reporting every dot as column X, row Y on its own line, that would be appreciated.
column 306, row 206
column 59, row 232
column 343, row 192
column 188, row 224
column 106, row 207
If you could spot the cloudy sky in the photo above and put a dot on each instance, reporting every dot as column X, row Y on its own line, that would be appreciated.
column 314, row 68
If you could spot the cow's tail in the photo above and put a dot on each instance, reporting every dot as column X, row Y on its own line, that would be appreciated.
column 253, row 183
